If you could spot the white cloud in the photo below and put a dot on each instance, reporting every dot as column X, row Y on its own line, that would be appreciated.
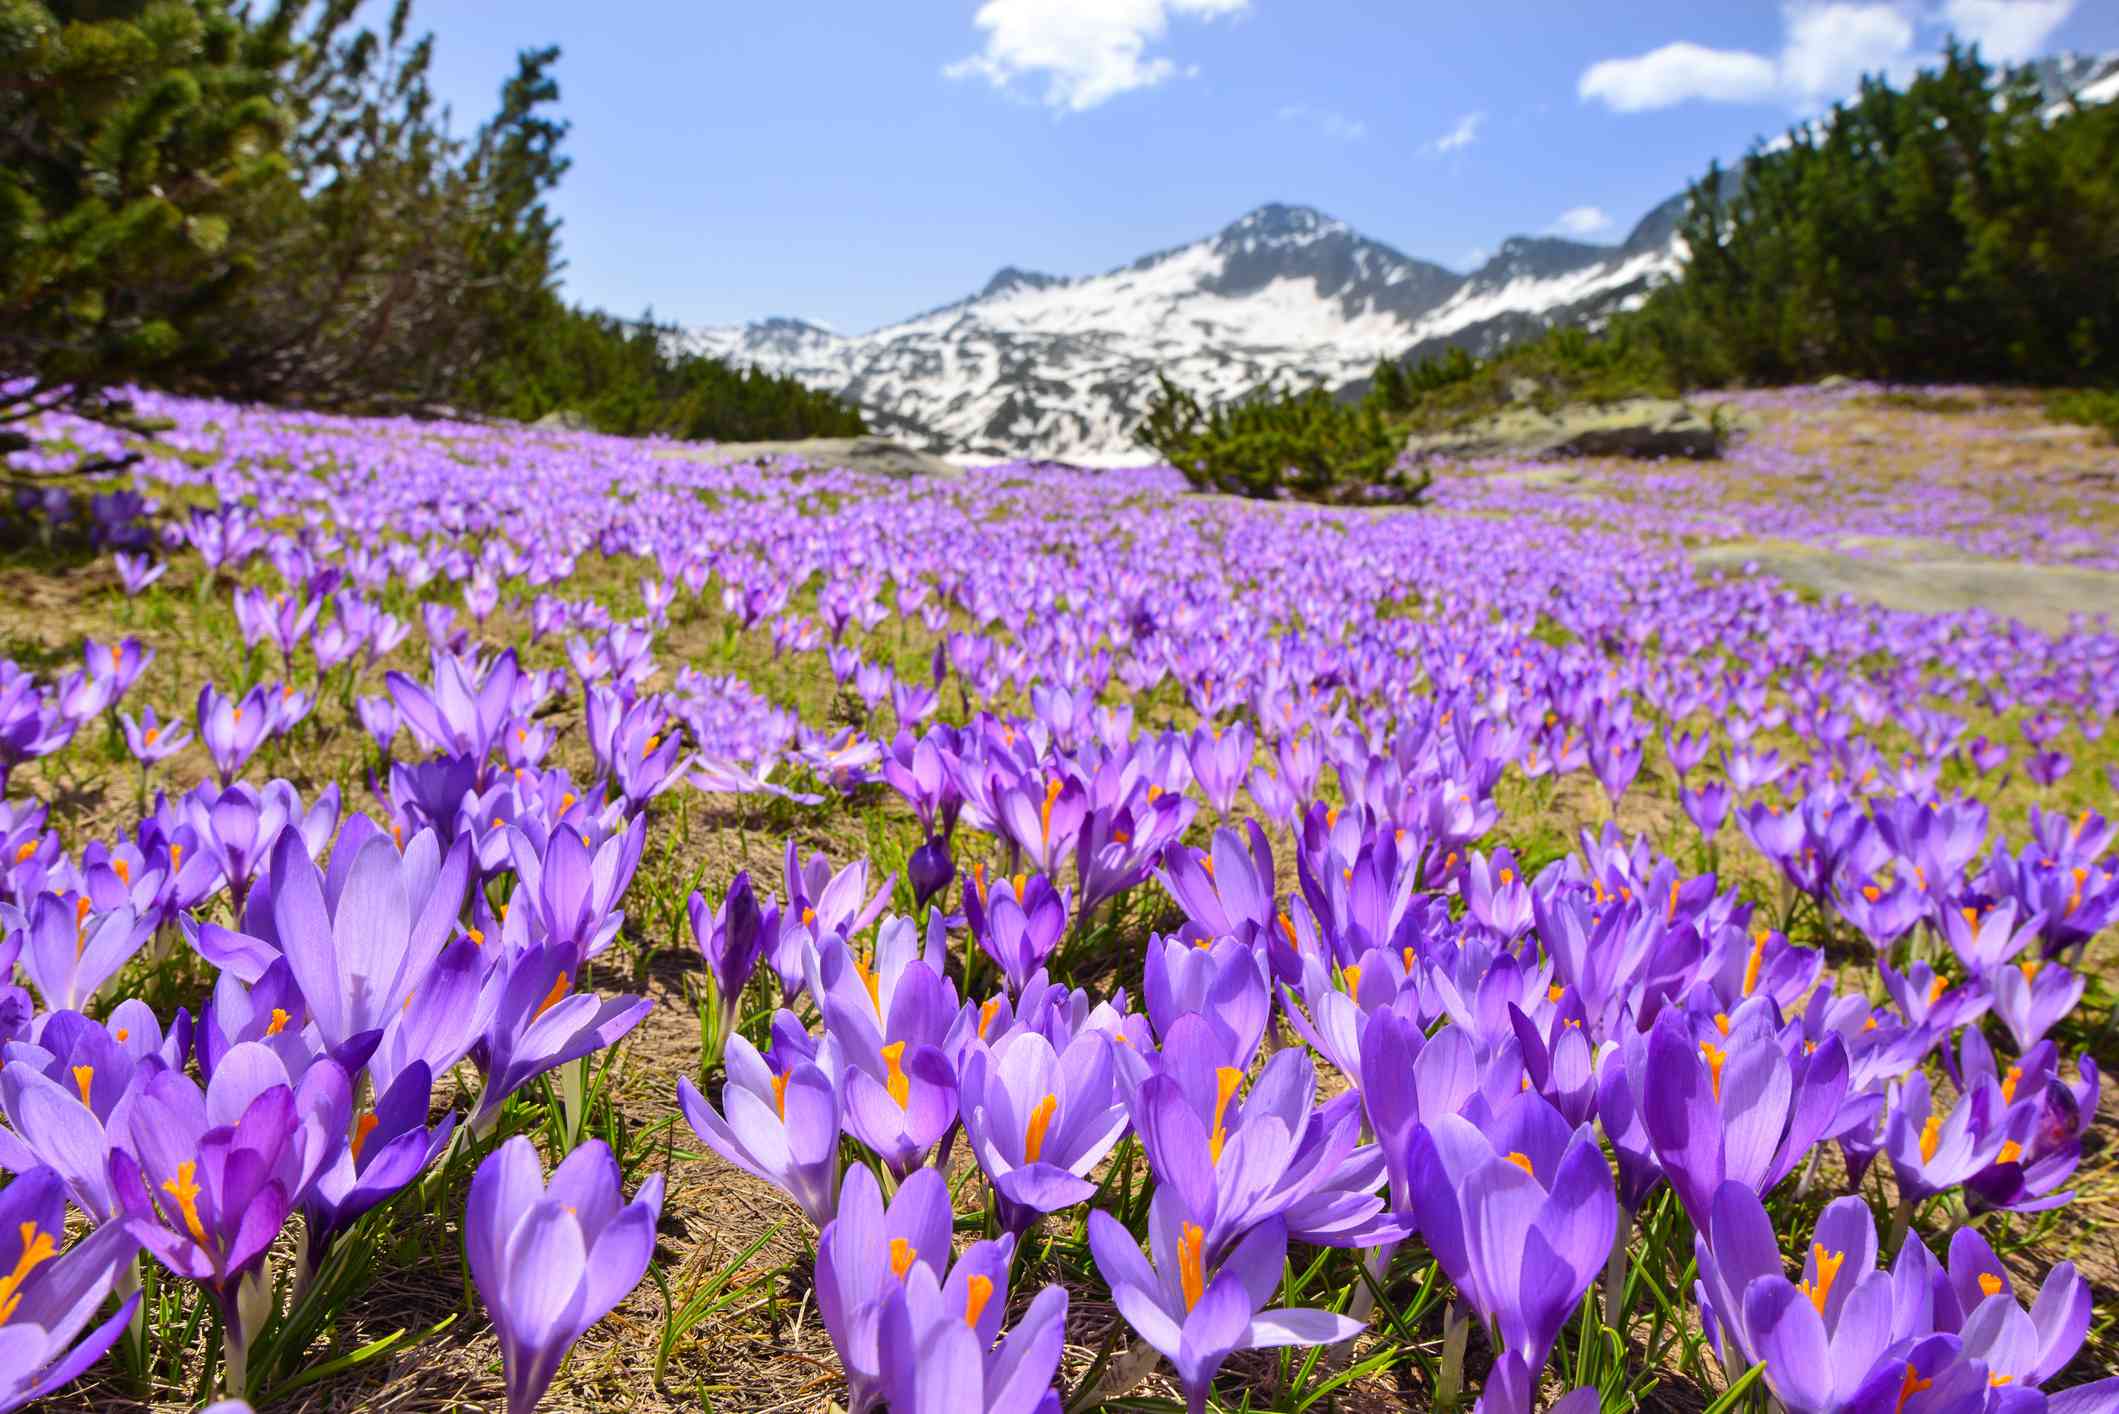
column 1830, row 47
column 1089, row 51
column 1826, row 47
column 2007, row 31
column 1581, row 222
column 1677, row 73
column 1461, row 136
column 1334, row 125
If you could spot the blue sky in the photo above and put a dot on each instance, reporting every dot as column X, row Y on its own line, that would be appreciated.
column 855, row 163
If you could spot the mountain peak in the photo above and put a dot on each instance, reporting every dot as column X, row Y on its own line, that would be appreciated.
column 1010, row 278
column 1276, row 223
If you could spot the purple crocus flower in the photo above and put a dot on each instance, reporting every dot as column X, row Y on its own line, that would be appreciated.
column 540, row 1023
column 378, row 717
column 569, row 889
column 362, row 939
column 1521, row 1214
column 2032, row 997
column 1043, row 818
column 1018, row 924
column 930, row 869
column 551, row 1260
column 1197, row 1312
column 1232, row 1161
column 1040, row 1120
column 137, row 572
column 1220, row 758
column 861, row 1255
column 1224, row 983
column 731, row 940
column 463, row 712
column 234, row 729
column 149, row 740
column 1984, row 940
column 781, row 1127
column 2028, row 1348
column 67, row 1100
column 943, row 1336
column 69, row 952
column 1932, row 1152
column 389, row 1147
column 1735, row 1106
column 47, row 1297
column 1823, row 1339
column 219, row 1170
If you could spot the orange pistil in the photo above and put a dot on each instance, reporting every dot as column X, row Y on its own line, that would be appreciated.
column 1758, row 960
column 362, row 1128
column 280, row 1018
column 2009, row 1082
column 977, row 1292
column 1522, row 1161
column 1913, row 1385
column 986, row 1014
column 902, row 1256
column 1191, row 1264
column 1930, row 1138
column 1052, row 795
column 1989, row 1284
column 873, row 983
column 37, row 1249
column 561, row 985
column 1714, row 1055
column 780, row 1095
column 1828, row 1265
column 900, row 1088
column 1227, row 1080
column 1034, row 1133
column 184, row 1188
column 84, row 1076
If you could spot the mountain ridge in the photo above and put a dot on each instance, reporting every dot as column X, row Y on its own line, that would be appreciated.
column 1059, row 367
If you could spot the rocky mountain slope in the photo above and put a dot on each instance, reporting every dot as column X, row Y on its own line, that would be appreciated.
column 1046, row 366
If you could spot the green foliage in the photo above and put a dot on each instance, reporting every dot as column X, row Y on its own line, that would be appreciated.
column 1272, row 446
column 1948, row 231
column 131, row 135
column 2091, row 407
column 270, row 206
column 1396, row 388
column 1563, row 365
column 623, row 378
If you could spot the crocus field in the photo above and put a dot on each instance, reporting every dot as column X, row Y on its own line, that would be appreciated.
column 505, row 919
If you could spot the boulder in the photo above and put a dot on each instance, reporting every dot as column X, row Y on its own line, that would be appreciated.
column 872, row 456
column 1632, row 427
column 563, row 420
column 1926, row 577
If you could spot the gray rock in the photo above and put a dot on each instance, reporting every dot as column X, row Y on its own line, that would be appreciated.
column 1633, row 427
column 873, row 456
column 562, row 420
column 1929, row 577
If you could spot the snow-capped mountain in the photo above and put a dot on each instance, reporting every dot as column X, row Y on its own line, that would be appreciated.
column 1045, row 366
column 1053, row 367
